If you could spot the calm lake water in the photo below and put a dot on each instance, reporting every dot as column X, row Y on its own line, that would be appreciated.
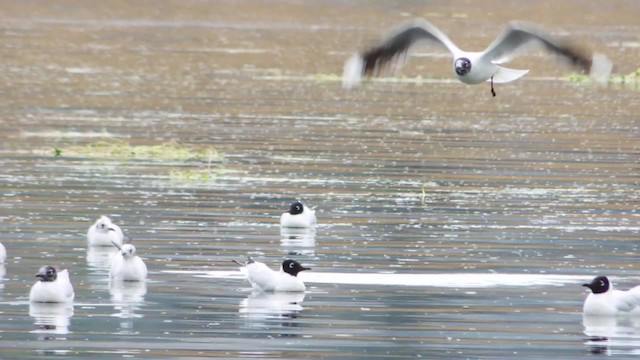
column 452, row 224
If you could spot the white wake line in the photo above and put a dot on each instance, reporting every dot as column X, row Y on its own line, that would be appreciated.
column 445, row 280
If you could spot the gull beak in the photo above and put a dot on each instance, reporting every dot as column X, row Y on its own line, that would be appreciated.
column 112, row 229
column 41, row 275
column 305, row 268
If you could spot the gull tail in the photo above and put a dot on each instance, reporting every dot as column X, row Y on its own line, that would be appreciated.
column 505, row 75
column 601, row 68
column 249, row 261
column 352, row 71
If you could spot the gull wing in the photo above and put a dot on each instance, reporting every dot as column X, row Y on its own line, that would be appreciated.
column 519, row 36
column 261, row 276
column 394, row 50
column 63, row 277
column 627, row 300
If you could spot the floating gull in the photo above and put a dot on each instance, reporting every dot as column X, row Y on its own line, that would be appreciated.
column 54, row 286
column 298, row 216
column 262, row 278
column 126, row 265
column 604, row 300
column 104, row 233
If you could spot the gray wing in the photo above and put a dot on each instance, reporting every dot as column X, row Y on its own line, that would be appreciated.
column 627, row 300
column 394, row 50
column 519, row 36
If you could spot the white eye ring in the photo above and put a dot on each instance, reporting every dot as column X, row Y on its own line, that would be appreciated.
column 601, row 283
column 290, row 265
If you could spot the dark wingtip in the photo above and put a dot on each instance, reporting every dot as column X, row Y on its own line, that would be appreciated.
column 578, row 55
column 237, row 262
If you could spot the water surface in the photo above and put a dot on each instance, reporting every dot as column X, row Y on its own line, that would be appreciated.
column 451, row 224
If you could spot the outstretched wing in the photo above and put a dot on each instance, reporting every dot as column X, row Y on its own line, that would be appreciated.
column 519, row 36
column 394, row 50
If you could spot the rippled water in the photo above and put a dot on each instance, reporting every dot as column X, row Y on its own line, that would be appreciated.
column 451, row 224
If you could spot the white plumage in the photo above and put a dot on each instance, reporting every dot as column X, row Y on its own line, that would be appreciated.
column 265, row 305
column 472, row 67
column 604, row 300
column 262, row 278
column 127, row 266
column 105, row 233
column 51, row 318
column 3, row 254
column 298, row 216
column 53, row 287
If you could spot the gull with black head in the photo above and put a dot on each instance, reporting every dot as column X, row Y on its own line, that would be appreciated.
column 298, row 216
column 262, row 278
column 53, row 286
column 472, row 67
column 604, row 300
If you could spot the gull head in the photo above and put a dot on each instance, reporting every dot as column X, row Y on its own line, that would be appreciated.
column 47, row 274
column 128, row 251
column 296, row 208
column 599, row 285
column 462, row 66
column 104, row 224
column 293, row 267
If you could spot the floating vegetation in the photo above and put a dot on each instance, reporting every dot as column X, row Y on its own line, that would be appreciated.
column 57, row 134
column 122, row 150
column 195, row 175
column 327, row 77
column 184, row 163
column 631, row 78
column 424, row 195
column 577, row 78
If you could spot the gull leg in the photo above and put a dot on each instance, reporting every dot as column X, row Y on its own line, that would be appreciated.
column 493, row 92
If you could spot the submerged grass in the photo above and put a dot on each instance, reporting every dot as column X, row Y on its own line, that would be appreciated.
column 632, row 78
column 193, row 164
column 198, row 175
column 122, row 150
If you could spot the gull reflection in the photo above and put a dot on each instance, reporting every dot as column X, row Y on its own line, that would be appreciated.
column 263, row 309
column 99, row 257
column 127, row 298
column 298, row 241
column 3, row 272
column 51, row 319
column 605, row 332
